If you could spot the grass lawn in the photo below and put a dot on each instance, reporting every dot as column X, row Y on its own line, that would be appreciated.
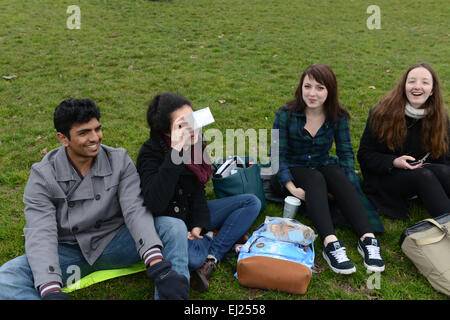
column 243, row 59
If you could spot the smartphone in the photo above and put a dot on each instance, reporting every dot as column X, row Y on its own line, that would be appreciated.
column 415, row 162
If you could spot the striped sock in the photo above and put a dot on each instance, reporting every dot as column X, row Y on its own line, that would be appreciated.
column 49, row 287
column 152, row 254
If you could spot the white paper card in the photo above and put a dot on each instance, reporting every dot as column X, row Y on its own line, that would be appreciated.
column 199, row 118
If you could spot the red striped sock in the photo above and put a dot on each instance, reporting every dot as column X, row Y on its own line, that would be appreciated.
column 151, row 255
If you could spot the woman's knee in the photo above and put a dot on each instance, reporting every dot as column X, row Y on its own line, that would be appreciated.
column 316, row 189
column 253, row 202
column 246, row 200
column 16, row 265
column 16, row 280
column 422, row 176
column 250, row 202
column 440, row 170
column 333, row 172
column 312, row 179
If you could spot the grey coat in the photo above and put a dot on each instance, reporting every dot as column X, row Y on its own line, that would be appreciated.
column 60, row 207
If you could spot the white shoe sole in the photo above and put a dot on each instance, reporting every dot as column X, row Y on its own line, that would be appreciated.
column 340, row 271
column 370, row 268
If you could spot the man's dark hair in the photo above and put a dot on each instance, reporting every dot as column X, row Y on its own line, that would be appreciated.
column 72, row 111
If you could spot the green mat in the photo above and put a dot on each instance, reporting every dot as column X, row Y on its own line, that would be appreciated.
column 103, row 275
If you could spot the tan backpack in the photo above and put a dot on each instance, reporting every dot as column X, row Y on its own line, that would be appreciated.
column 427, row 245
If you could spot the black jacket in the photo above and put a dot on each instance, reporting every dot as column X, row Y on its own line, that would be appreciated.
column 376, row 162
column 171, row 189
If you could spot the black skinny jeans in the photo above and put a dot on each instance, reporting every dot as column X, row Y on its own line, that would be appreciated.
column 317, row 183
column 431, row 183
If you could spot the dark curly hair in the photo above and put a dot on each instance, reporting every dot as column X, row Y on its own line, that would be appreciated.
column 160, row 108
column 72, row 111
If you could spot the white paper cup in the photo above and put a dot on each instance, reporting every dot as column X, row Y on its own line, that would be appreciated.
column 291, row 205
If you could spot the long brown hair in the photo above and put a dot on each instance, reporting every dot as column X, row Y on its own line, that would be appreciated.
column 325, row 76
column 388, row 117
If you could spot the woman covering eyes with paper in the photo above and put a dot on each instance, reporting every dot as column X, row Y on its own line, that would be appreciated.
column 174, row 167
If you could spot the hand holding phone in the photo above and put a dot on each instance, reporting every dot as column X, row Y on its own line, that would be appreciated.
column 404, row 162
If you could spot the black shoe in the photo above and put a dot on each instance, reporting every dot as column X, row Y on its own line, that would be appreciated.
column 336, row 257
column 369, row 248
column 200, row 277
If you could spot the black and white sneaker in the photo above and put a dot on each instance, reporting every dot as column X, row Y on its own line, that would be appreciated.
column 369, row 248
column 336, row 257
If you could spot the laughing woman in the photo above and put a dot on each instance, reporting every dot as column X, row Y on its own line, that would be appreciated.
column 409, row 124
column 308, row 125
column 174, row 169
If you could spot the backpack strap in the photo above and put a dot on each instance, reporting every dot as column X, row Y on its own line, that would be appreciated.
column 430, row 240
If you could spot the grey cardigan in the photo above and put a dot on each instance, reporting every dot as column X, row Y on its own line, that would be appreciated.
column 62, row 207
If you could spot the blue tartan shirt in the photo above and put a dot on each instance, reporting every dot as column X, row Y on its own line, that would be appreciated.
column 297, row 148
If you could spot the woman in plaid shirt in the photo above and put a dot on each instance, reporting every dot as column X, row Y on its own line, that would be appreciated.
column 308, row 125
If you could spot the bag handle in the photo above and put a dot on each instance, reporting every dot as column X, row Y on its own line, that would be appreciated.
column 235, row 157
column 423, row 242
column 239, row 159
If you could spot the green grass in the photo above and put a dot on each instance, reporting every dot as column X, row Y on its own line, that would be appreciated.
column 248, row 53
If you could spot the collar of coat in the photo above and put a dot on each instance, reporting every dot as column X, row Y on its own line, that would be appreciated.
column 64, row 171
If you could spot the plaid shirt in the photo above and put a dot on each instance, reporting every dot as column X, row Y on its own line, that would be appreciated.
column 297, row 148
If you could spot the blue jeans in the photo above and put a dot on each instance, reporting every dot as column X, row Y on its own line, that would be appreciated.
column 16, row 278
column 232, row 215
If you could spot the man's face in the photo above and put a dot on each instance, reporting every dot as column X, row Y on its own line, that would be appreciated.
column 85, row 139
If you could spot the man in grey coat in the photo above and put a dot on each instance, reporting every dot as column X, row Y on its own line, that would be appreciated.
column 84, row 212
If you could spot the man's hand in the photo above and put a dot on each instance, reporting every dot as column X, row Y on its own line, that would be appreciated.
column 170, row 285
